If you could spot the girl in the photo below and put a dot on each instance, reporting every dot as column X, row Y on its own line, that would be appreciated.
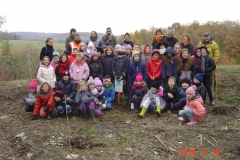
column 46, row 73
column 107, row 61
column 162, row 49
column 100, row 94
column 55, row 60
column 95, row 65
column 44, row 101
column 47, row 50
column 138, row 90
column 177, row 48
column 79, row 69
column 169, row 65
column 63, row 64
column 186, row 43
column 90, row 48
column 109, row 91
column 83, row 47
column 194, row 110
column 30, row 101
column 116, row 49
column 128, row 51
column 72, row 57
column 146, row 56
column 197, row 59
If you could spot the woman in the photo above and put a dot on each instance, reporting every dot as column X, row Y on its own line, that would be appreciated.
column 186, row 43
column 159, row 37
column 47, row 50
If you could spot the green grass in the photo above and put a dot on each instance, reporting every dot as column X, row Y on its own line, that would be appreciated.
column 126, row 137
column 228, row 68
column 230, row 98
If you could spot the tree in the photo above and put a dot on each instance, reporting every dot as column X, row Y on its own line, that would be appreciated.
column 2, row 20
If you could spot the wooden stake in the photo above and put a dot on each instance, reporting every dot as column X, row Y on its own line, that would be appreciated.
column 65, row 100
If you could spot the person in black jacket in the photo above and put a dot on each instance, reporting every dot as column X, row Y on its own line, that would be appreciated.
column 107, row 61
column 171, row 41
column 186, row 43
column 47, row 50
column 197, row 81
column 208, row 67
column 95, row 65
column 127, row 40
column 159, row 38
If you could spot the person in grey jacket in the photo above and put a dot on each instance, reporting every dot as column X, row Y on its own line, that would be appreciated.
column 109, row 39
column 70, row 38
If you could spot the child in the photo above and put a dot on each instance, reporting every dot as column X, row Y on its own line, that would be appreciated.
column 30, row 101
column 151, row 100
column 138, row 90
column 90, row 48
column 169, row 65
column 83, row 47
column 100, row 94
column 72, row 57
column 95, row 65
column 162, row 49
column 177, row 48
column 136, row 48
column 86, row 56
column 197, row 59
column 63, row 65
column 182, row 94
column 170, row 94
column 46, row 73
column 194, row 110
column 81, row 88
column 69, row 89
column 116, row 49
column 129, row 51
column 107, row 61
column 142, row 49
column 146, row 56
column 200, row 90
column 109, row 91
column 55, row 60
column 44, row 104
column 79, row 69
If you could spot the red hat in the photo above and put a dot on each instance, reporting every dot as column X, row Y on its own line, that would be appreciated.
column 58, row 93
column 66, row 73
column 139, row 77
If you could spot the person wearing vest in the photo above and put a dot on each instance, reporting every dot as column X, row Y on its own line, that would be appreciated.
column 70, row 38
column 75, row 43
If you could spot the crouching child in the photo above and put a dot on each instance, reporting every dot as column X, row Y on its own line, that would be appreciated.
column 30, row 101
column 109, row 91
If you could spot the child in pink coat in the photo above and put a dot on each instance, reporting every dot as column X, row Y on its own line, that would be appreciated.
column 194, row 110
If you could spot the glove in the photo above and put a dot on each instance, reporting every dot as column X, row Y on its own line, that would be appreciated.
column 34, row 118
column 46, row 108
column 96, row 100
column 24, row 99
column 123, row 74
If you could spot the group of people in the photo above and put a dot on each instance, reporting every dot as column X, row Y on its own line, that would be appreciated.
column 164, row 76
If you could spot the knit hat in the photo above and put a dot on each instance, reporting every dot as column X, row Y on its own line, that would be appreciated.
column 104, row 46
column 155, row 51
column 94, row 52
column 139, row 77
column 191, row 90
column 122, row 50
column 129, row 47
column 65, row 73
column 108, row 29
column 155, row 84
column 97, row 82
column 56, row 54
column 86, row 54
column 186, row 80
column 107, row 78
column 58, row 93
column 33, row 84
column 199, row 77
column 135, row 53
column 90, row 81
column 169, row 50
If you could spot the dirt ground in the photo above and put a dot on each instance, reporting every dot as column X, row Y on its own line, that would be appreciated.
column 120, row 134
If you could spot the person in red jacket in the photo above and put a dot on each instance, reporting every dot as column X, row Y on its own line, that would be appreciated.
column 44, row 104
column 154, row 67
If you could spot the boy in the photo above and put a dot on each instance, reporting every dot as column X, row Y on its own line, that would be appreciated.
column 109, row 91
column 197, row 81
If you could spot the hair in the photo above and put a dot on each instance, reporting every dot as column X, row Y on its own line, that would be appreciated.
column 94, row 32
column 60, row 58
column 173, row 78
column 45, row 83
column 136, row 45
column 47, row 58
column 76, row 35
column 126, row 34
column 91, row 60
column 75, row 49
column 188, row 63
column 168, row 60
column 48, row 39
column 177, row 44
column 109, row 47
column 187, row 35
column 78, row 85
column 158, row 30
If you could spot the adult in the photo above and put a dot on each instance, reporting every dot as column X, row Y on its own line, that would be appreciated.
column 70, row 38
column 75, row 43
column 47, row 50
column 109, row 39
column 94, row 39
column 186, row 43
column 127, row 40
column 159, row 37
column 171, row 41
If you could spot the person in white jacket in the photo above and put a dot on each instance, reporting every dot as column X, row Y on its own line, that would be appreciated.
column 46, row 72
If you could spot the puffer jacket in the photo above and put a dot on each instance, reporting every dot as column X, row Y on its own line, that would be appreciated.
column 209, row 65
column 134, row 70
column 139, row 92
column 120, row 66
column 212, row 48
column 196, row 105
column 79, row 71
column 200, row 90
column 46, row 74
column 154, row 68
column 107, row 63
column 47, row 51
column 152, row 97
column 96, row 70
column 169, row 69
column 68, row 89
column 109, row 93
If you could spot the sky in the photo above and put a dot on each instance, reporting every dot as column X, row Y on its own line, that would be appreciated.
column 122, row 16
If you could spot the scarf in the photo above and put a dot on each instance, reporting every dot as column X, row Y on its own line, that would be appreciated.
column 138, row 86
column 158, row 38
column 136, row 63
column 94, row 91
column 185, row 43
column 62, row 67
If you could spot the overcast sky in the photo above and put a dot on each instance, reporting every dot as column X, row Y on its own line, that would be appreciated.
column 121, row 15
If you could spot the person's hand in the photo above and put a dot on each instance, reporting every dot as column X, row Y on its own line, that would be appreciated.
column 68, row 99
column 99, row 103
column 34, row 118
column 24, row 99
column 152, row 78
column 46, row 108
column 170, row 95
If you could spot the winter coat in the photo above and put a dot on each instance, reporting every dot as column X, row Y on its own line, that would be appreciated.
column 79, row 71
column 44, row 99
column 59, row 75
column 173, row 91
column 209, row 65
column 139, row 92
column 109, row 40
column 171, row 41
column 46, row 74
column 107, row 63
column 120, row 66
column 146, row 57
column 47, row 51
column 189, row 46
column 31, row 99
column 192, row 69
column 196, row 105
column 181, row 93
column 96, row 70
column 54, row 65
column 124, row 43
column 95, row 41
column 68, row 89
column 212, row 48
column 200, row 90
column 155, row 43
column 69, row 39
column 169, row 69
column 154, row 68
column 83, row 97
column 134, row 70
column 109, row 93
column 152, row 97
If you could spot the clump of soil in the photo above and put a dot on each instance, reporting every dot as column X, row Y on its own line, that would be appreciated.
column 84, row 143
column 225, row 110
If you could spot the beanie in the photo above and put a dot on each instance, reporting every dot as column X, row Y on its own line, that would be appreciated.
column 56, row 54
column 186, row 80
column 108, row 29
column 135, row 53
column 90, row 82
column 129, row 47
column 94, row 52
column 65, row 73
column 97, row 82
column 104, row 46
column 191, row 90
column 199, row 77
column 155, row 84
column 58, row 93
column 33, row 84
column 155, row 51
column 107, row 78
column 139, row 77
column 86, row 54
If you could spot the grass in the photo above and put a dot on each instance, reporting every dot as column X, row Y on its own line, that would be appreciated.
column 230, row 98
column 92, row 131
column 229, row 68
column 126, row 137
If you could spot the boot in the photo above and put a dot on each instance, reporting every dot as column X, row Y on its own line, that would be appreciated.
column 192, row 121
column 92, row 115
column 142, row 112
column 49, row 117
column 182, row 119
column 136, row 108
column 158, row 111
column 61, row 115
column 71, row 116
column 29, row 108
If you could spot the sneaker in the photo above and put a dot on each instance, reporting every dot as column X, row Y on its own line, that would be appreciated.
column 182, row 119
column 212, row 103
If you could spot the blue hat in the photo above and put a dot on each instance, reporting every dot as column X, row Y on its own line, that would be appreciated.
column 199, row 77
column 169, row 50
column 107, row 78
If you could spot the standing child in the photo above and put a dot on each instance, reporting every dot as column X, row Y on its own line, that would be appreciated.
column 55, row 60
column 30, row 101
column 95, row 65
column 44, row 104
column 46, row 73
column 100, row 94
column 177, row 48
column 63, row 65
column 146, row 56
column 194, row 110
column 162, row 49
column 116, row 49
column 129, row 51
column 109, row 91
column 90, row 48
column 138, row 91
column 200, row 90
column 72, row 57
column 107, row 62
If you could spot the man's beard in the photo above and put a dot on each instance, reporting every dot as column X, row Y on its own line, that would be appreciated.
column 77, row 41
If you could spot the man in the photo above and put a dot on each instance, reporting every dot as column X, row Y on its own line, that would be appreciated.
column 127, row 40
column 94, row 39
column 70, row 38
column 75, row 43
column 171, row 41
column 109, row 39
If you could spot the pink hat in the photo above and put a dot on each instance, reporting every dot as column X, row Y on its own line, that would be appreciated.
column 97, row 82
column 33, row 84
column 139, row 77
column 94, row 52
column 191, row 90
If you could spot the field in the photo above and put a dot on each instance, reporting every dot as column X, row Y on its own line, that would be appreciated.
column 120, row 134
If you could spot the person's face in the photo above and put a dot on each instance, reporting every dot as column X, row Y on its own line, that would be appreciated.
column 136, row 58
column 109, row 33
column 147, row 49
column 82, row 85
column 55, row 58
column 126, row 38
column 189, row 96
column 184, row 54
column 136, row 47
column 169, row 35
column 141, row 50
column 106, row 83
column 31, row 90
column 128, row 50
column 75, row 52
column 91, row 87
column 73, row 33
column 95, row 58
column 206, row 38
column 177, row 48
column 198, row 54
column 196, row 81
column 99, row 54
column 78, row 59
column 90, row 47
column 185, row 85
column 156, row 56
column 109, row 51
column 162, row 46
column 93, row 35
column 138, row 82
column 98, row 88
column 66, row 78
column 184, row 38
column 77, row 38
column 203, row 51
column 57, row 99
column 169, row 54
column 159, row 33
column 50, row 42
column 83, row 47
column 46, row 61
column 117, row 48
column 45, row 88
column 64, row 59
column 171, row 82
column 154, row 89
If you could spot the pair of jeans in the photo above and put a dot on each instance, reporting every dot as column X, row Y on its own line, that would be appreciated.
column 186, row 113
column 62, row 109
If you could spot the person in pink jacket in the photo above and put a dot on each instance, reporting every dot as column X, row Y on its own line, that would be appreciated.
column 79, row 69
column 194, row 110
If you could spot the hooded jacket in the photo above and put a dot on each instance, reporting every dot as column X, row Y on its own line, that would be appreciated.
column 134, row 70
column 146, row 57
column 46, row 74
column 196, row 105
column 212, row 48
column 154, row 67
column 169, row 69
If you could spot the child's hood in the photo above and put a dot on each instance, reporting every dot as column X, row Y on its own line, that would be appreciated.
column 197, row 98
